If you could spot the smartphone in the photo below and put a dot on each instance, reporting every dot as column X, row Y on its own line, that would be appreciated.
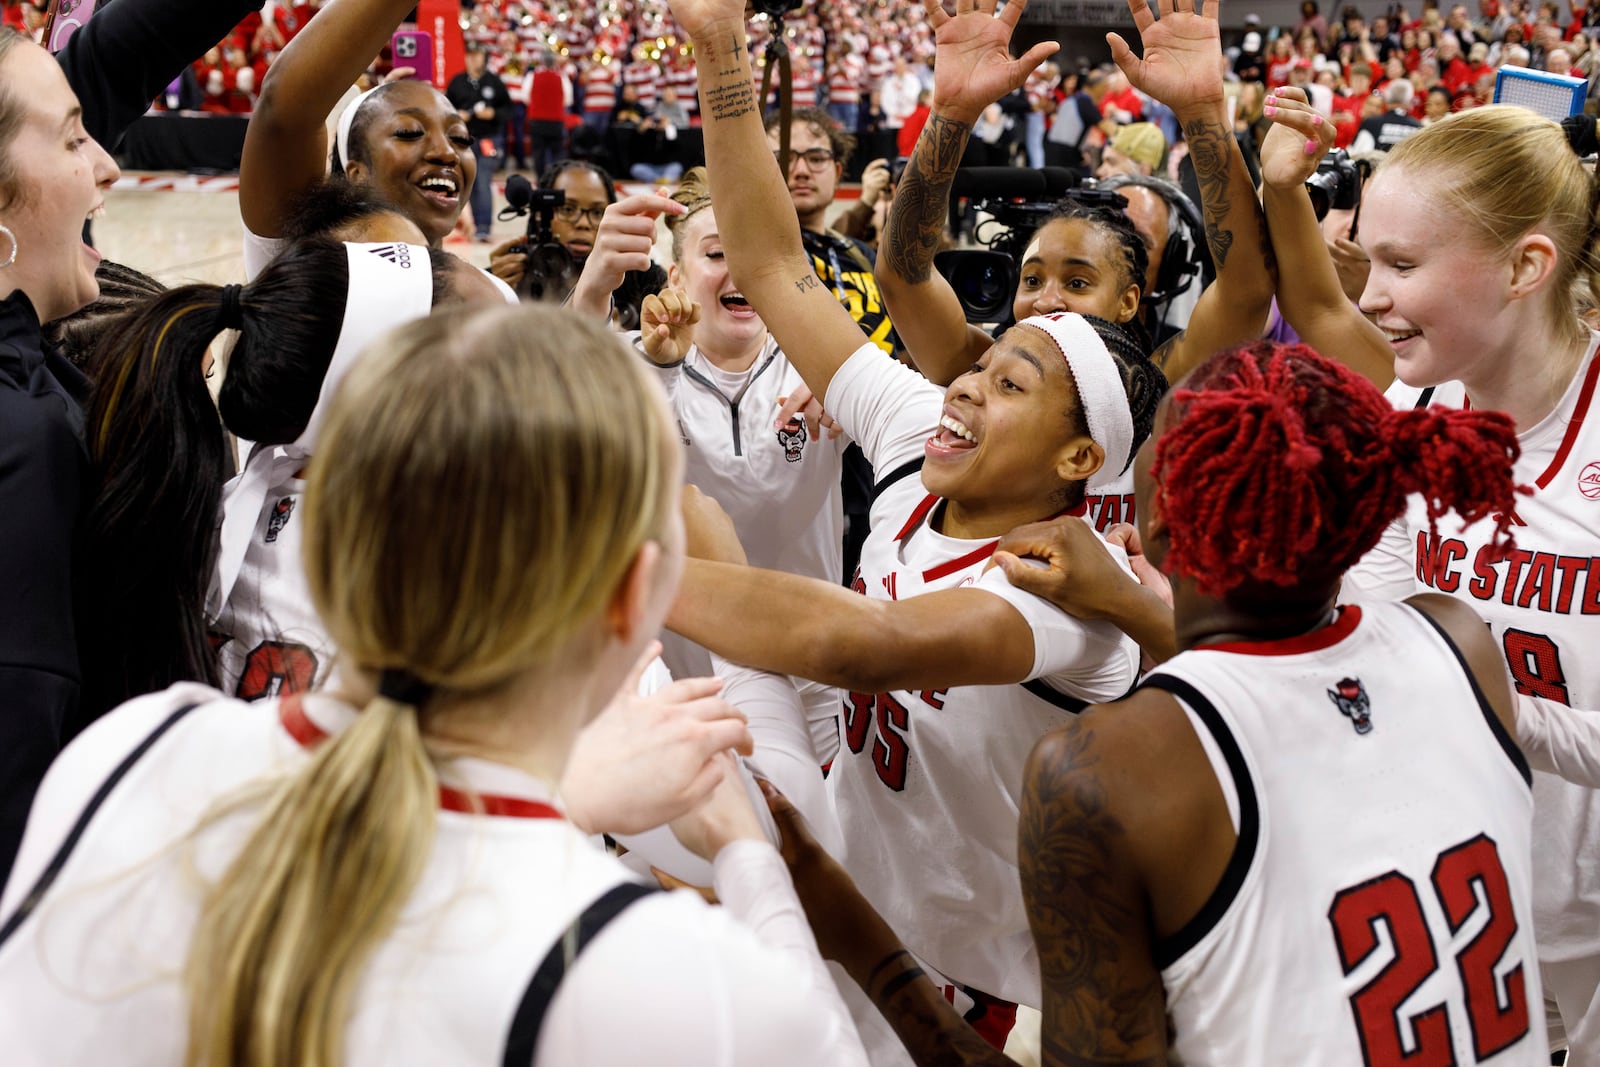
column 64, row 19
column 414, row 49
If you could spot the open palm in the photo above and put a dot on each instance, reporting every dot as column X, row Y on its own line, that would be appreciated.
column 1182, row 63
column 972, row 65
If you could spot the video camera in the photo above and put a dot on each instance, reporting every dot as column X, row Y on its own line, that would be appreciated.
column 1336, row 186
column 1019, row 201
column 550, row 266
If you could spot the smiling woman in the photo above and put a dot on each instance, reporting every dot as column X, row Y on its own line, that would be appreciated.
column 403, row 138
column 53, row 176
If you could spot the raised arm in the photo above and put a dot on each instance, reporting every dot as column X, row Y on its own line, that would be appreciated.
column 285, row 146
column 1310, row 297
column 1182, row 66
column 760, row 231
column 832, row 635
column 972, row 69
column 124, row 57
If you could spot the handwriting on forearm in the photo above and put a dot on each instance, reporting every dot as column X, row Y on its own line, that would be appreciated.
column 730, row 101
column 1210, row 147
column 917, row 216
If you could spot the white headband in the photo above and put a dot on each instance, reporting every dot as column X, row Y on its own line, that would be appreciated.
column 347, row 119
column 390, row 284
column 1101, row 394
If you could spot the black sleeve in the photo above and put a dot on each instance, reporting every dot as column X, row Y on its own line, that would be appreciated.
column 131, row 50
column 459, row 93
column 502, row 95
column 42, row 471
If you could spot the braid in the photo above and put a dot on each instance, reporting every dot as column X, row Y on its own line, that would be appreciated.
column 1284, row 468
column 1135, row 256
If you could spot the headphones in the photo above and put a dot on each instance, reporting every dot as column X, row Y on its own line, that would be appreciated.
column 1183, row 258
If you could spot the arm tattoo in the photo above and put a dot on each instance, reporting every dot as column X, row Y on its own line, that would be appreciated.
column 932, row 1030
column 731, row 101
column 922, row 201
column 1211, row 151
column 1078, row 911
column 810, row 281
column 1161, row 355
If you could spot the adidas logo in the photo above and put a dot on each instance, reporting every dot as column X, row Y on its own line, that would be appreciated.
column 399, row 255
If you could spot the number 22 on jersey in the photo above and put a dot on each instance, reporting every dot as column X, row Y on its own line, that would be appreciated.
column 1466, row 878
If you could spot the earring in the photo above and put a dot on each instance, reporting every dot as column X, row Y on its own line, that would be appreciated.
column 12, row 258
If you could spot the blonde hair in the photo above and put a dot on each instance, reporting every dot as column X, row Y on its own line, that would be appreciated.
column 484, row 482
column 694, row 193
column 1505, row 171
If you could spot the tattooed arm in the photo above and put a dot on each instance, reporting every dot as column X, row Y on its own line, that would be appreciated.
column 1087, row 907
column 1182, row 67
column 972, row 69
column 757, row 221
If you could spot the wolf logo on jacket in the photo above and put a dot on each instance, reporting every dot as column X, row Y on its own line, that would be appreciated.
column 1350, row 697
column 793, row 439
column 279, row 518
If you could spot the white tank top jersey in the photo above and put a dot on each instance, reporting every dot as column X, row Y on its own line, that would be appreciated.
column 928, row 785
column 268, row 637
column 780, row 489
column 1378, row 907
column 92, row 974
column 1543, row 604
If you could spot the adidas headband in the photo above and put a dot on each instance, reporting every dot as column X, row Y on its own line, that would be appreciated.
column 390, row 285
column 347, row 119
column 1101, row 395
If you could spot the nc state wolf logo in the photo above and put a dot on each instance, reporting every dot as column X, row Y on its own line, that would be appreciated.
column 1350, row 697
column 279, row 518
column 793, row 439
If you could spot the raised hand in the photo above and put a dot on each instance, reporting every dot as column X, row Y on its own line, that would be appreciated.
column 666, row 324
column 802, row 405
column 701, row 18
column 972, row 64
column 623, row 242
column 1182, row 64
column 1297, row 141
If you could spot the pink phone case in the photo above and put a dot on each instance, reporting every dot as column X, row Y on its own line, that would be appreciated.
column 65, row 17
column 413, row 48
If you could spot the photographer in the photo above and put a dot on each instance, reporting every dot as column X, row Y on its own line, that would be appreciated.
column 586, row 193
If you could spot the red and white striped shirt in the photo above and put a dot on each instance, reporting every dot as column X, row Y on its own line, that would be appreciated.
column 599, row 88
column 645, row 77
column 844, row 80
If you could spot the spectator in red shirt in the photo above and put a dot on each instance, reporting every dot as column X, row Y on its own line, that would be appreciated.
column 1347, row 105
column 906, row 138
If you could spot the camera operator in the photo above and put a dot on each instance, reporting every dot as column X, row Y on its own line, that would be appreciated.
column 587, row 192
column 1174, row 237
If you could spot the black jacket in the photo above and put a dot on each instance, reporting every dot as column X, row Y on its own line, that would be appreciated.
column 117, row 63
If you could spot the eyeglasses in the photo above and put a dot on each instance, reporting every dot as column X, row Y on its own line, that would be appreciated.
column 570, row 212
column 814, row 159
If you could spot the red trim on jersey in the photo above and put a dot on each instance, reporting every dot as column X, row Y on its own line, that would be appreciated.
column 292, row 714
column 1585, row 395
column 1315, row 641
column 977, row 555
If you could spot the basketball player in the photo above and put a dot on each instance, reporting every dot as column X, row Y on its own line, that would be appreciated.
column 1308, row 831
column 932, row 665
column 385, row 874
column 1480, row 228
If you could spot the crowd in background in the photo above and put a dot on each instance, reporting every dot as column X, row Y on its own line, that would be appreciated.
column 618, row 78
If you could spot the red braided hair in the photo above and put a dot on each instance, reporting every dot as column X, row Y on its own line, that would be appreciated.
column 1283, row 468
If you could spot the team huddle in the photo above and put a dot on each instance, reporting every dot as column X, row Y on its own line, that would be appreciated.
column 436, row 678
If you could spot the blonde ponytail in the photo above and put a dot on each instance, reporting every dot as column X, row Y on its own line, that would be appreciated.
column 283, row 938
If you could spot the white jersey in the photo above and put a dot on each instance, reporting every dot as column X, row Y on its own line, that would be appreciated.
column 1543, row 605
column 928, row 785
column 1379, row 902
column 92, row 975
column 269, row 639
